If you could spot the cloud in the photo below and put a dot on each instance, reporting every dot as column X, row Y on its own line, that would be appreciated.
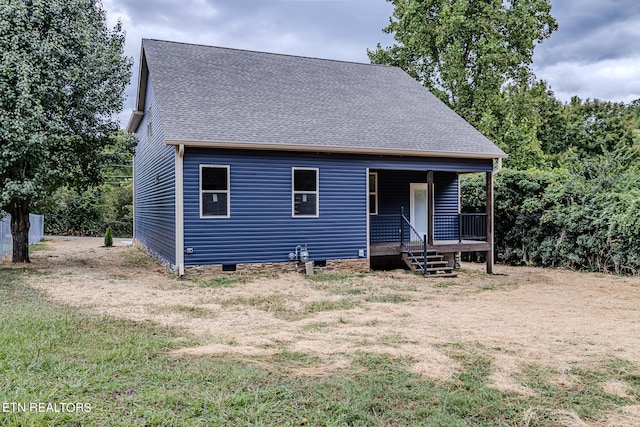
column 612, row 79
column 293, row 27
column 591, row 31
column 593, row 54
column 340, row 30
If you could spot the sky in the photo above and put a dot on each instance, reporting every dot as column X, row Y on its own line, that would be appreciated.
column 594, row 54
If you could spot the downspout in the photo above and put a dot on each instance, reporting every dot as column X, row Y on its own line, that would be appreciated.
column 368, row 221
column 180, row 210
column 133, row 201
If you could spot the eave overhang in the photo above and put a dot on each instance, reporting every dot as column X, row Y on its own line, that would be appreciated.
column 134, row 121
column 332, row 149
column 138, row 113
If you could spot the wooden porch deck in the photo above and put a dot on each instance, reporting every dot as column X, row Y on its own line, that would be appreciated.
column 442, row 246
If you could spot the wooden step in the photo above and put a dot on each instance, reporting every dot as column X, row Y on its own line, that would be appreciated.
column 435, row 270
column 442, row 275
column 436, row 265
column 421, row 253
column 418, row 268
column 430, row 262
column 440, row 272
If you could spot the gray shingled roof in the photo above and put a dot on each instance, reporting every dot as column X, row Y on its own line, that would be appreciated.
column 220, row 95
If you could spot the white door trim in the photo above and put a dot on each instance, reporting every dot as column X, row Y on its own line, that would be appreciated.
column 412, row 188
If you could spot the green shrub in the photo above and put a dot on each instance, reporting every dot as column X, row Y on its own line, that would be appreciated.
column 108, row 238
column 583, row 216
column 89, row 212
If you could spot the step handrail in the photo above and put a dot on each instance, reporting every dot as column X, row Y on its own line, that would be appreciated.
column 415, row 240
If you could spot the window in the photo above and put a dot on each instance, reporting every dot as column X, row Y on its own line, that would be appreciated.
column 214, row 191
column 305, row 192
column 373, row 193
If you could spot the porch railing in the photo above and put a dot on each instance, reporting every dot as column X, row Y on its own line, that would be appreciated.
column 473, row 226
column 466, row 226
column 414, row 244
column 385, row 228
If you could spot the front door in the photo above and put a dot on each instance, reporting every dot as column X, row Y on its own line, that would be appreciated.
column 419, row 217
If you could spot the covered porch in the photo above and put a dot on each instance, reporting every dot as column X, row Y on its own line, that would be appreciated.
column 415, row 216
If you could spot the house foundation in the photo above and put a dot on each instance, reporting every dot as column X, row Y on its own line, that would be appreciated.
column 333, row 265
column 154, row 255
column 338, row 265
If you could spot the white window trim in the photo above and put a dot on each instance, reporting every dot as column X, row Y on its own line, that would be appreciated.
column 293, row 193
column 373, row 193
column 228, row 191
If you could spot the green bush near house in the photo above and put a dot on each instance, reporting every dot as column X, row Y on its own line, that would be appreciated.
column 581, row 216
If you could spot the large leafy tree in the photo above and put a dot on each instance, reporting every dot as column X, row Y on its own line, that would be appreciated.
column 62, row 81
column 466, row 51
column 596, row 127
column 514, row 121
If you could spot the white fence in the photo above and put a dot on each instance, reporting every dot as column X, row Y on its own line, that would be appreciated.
column 36, row 232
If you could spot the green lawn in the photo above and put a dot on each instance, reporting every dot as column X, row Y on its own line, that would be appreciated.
column 124, row 373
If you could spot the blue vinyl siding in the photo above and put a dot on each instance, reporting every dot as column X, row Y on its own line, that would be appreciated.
column 394, row 194
column 261, row 227
column 394, row 191
column 154, row 185
column 446, row 207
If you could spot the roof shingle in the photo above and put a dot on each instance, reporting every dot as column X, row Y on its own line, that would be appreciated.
column 220, row 95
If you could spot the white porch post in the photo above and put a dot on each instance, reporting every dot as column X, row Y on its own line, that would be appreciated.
column 430, row 207
column 490, row 219
column 179, row 210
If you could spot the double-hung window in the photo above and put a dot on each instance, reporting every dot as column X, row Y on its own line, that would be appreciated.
column 304, row 192
column 214, row 191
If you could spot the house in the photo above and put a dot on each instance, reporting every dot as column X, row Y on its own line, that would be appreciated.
column 248, row 159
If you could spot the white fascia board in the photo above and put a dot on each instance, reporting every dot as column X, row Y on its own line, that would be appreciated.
column 134, row 121
column 330, row 149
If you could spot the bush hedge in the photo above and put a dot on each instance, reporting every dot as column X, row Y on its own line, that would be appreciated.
column 584, row 216
column 90, row 212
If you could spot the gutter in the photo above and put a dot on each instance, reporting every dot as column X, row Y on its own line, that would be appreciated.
column 180, row 210
column 331, row 149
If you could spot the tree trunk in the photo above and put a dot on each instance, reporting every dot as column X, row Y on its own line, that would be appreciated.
column 20, row 231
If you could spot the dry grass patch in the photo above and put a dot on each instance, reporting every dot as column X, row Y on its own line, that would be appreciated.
column 551, row 317
column 553, row 336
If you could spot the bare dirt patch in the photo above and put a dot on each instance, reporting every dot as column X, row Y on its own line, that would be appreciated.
column 520, row 317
